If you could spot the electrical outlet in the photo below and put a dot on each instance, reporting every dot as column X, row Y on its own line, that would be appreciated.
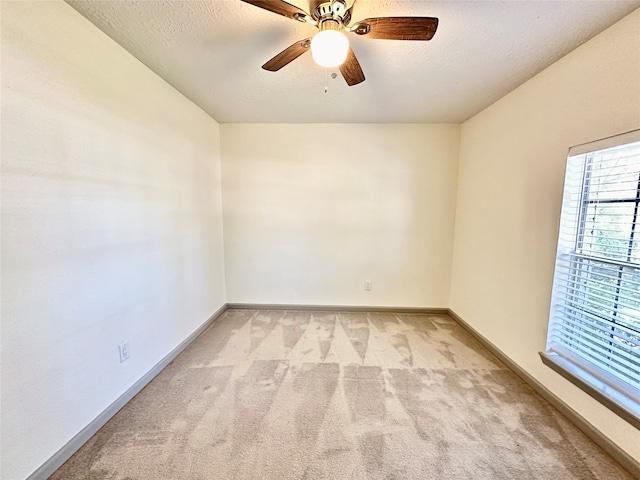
column 368, row 285
column 124, row 351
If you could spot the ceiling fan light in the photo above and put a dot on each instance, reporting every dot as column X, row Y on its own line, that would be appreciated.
column 329, row 48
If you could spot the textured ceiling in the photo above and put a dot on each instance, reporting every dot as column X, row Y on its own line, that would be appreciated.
column 212, row 50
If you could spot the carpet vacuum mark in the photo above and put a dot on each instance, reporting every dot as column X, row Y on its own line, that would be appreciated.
column 325, row 395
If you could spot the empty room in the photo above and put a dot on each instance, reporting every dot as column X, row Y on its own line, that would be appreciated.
column 320, row 239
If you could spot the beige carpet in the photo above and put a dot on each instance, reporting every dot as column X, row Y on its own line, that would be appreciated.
column 324, row 395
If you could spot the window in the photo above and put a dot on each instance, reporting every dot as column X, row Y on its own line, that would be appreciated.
column 594, row 326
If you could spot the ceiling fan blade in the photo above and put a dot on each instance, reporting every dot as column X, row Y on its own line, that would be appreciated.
column 278, row 6
column 288, row 55
column 351, row 70
column 397, row 28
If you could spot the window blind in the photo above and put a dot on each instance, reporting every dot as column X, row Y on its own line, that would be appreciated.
column 595, row 308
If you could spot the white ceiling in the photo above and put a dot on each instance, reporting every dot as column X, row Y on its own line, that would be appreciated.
column 212, row 51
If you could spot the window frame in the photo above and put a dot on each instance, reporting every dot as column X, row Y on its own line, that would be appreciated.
column 620, row 396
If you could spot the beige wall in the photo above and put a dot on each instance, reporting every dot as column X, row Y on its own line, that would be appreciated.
column 309, row 218
column 512, row 159
column 111, row 225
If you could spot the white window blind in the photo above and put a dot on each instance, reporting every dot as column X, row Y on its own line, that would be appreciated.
column 595, row 309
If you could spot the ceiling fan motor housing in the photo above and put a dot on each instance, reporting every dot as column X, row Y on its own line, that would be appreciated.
column 335, row 10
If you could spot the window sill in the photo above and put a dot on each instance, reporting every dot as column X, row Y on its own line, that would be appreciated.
column 623, row 406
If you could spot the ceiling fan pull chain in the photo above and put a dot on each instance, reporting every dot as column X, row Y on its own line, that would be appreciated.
column 326, row 86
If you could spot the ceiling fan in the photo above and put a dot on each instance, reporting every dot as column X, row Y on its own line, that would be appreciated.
column 330, row 47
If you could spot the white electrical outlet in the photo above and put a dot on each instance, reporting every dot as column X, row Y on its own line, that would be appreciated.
column 368, row 285
column 124, row 350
